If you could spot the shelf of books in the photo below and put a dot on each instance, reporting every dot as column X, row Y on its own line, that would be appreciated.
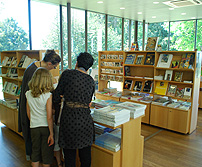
column 166, row 79
column 13, row 66
column 176, row 90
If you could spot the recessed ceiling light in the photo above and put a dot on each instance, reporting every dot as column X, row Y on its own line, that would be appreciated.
column 153, row 17
column 171, row 8
column 139, row 12
column 100, row 2
column 193, row 18
column 183, row 13
column 122, row 8
column 155, row 2
column 165, row 20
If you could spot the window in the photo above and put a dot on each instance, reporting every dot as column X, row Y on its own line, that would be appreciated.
column 132, row 31
column 126, row 34
column 140, row 35
column 77, row 33
column 114, row 41
column 96, row 35
column 160, row 30
column 199, row 35
column 45, row 26
column 182, row 35
column 14, row 27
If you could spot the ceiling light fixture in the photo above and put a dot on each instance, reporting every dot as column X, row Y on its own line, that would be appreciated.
column 100, row 2
column 153, row 17
column 171, row 8
column 139, row 12
column 183, row 13
column 155, row 2
column 165, row 20
column 122, row 8
column 193, row 18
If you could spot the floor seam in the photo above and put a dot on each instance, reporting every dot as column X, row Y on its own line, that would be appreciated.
column 153, row 135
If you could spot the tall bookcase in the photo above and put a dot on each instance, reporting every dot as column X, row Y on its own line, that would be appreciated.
column 175, row 119
column 9, row 116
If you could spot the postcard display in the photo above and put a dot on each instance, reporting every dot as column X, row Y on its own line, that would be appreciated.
column 13, row 65
column 172, row 75
column 131, row 152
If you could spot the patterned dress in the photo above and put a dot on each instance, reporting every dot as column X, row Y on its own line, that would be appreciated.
column 76, row 124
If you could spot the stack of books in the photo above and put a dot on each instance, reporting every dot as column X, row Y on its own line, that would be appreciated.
column 161, row 101
column 99, row 129
column 112, row 116
column 136, row 109
column 109, row 142
column 104, row 103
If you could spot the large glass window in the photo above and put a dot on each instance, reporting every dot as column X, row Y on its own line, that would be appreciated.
column 132, row 31
column 182, row 35
column 140, row 35
column 14, row 27
column 199, row 35
column 160, row 30
column 64, row 38
column 45, row 26
column 77, row 33
column 126, row 34
column 114, row 40
column 96, row 35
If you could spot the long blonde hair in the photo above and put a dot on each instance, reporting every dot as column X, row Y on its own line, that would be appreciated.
column 41, row 82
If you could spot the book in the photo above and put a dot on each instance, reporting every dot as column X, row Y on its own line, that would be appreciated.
column 149, row 59
column 168, row 75
column 5, row 85
column 165, row 60
column 22, row 61
column 10, row 59
column 152, row 43
column 138, row 86
column 139, row 60
column 8, row 87
column 18, row 91
column 148, row 86
column 179, row 92
column 103, row 57
column 127, row 70
column 26, row 62
column 4, row 61
column 187, row 61
column 178, row 76
column 130, row 58
column 128, row 84
column 13, row 89
column 172, row 90
column 161, row 88
column 175, row 64
column 187, row 93
column 14, row 62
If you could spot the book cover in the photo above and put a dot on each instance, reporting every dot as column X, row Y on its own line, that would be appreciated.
column 26, row 62
column 191, row 61
column 148, row 86
column 168, row 75
column 165, row 60
column 14, row 62
column 8, row 87
column 149, row 59
column 127, row 70
column 5, row 85
column 187, row 61
column 161, row 88
column 22, row 61
column 178, row 76
column 18, row 91
column 128, row 84
column 10, row 59
column 138, row 86
column 151, row 43
column 172, row 90
column 180, row 92
column 130, row 58
column 175, row 64
column 139, row 60
column 103, row 57
column 187, row 93
column 13, row 89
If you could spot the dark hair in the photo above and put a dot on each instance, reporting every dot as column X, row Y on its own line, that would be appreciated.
column 85, row 60
column 51, row 56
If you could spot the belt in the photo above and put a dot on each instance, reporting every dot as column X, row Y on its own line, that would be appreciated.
column 76, row 105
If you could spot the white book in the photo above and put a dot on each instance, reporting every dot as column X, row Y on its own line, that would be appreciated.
column 13, row 89
column 165, row 60
column 8, row 87
column 4, row 62
column 187, row 93
column 168, row 75
column 26, row 62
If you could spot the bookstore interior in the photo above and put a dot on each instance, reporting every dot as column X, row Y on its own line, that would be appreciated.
column 158, row 88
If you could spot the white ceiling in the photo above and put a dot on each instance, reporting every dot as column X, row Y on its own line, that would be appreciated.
column 132, row 7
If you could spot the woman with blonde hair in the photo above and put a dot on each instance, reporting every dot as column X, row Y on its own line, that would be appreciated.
column 39, row 112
